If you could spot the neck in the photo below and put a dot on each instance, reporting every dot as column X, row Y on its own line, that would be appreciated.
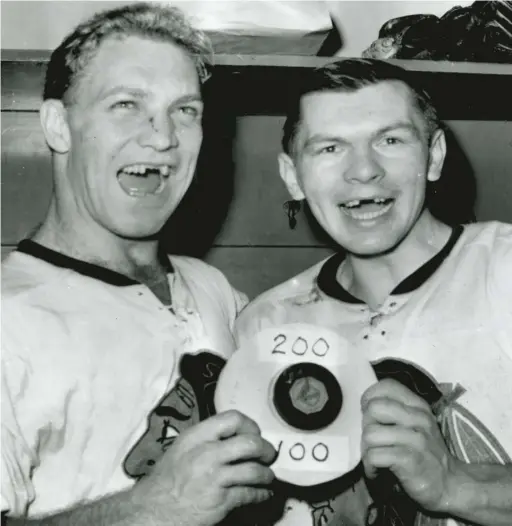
column 96, row 245
column 372, row 279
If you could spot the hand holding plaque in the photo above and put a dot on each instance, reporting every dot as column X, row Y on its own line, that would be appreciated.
column 302, row 384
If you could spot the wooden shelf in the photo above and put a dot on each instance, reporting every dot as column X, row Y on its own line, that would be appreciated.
column 299, row 61
column 257, row 84
column 292, row 61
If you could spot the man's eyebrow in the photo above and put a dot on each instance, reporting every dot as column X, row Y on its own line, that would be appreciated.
column 140, row 93
column 397, row 126
column 193, row 97
column 137, row 92
column 320, row 137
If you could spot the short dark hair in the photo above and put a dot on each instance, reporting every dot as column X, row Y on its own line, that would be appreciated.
column 349, row 75
column 159, row 22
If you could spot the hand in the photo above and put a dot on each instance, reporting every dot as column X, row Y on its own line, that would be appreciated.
column 212, row 468
column 400, row 433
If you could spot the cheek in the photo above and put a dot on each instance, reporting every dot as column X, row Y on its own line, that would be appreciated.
column 319, row 194
column 324, row 191
column 320, row 179
column 406, row 168
column 91, row 148
column 414, row 182
column 413, row 191
column 107, row 134
column 190, row 139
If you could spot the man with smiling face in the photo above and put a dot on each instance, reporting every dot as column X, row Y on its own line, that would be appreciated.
column 428, row 303
column 97, row 321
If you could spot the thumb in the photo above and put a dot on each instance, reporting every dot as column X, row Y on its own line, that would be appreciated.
column 221, row 426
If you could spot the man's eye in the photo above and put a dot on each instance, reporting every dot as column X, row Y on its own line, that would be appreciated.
column 391, row 141
column 189, row 112
column 124, row 105
column 331, row 148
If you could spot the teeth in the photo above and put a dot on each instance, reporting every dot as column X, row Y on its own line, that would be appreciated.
column 367, row 216
column 135, row 169
column 357, row 202
column 141, row 169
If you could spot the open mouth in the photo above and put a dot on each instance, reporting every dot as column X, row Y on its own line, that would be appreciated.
column 139, row 180
column 367, row 209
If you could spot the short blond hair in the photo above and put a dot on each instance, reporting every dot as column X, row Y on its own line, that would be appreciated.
column 148, row 20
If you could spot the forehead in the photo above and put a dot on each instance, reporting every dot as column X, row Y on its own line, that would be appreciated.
column 369, row 108
column 142, row 63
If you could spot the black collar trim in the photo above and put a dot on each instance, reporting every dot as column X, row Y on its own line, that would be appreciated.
column 32, row 248
column 329, row 285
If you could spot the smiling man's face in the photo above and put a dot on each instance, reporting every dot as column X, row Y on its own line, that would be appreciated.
column 135, row 135
column 362, row 160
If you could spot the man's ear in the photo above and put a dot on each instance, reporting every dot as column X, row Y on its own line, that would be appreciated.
column 288, row 174
column 53, row 118
column 437, row 155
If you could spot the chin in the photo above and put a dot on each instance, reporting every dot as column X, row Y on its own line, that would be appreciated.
column 138, row 226
column 139, row 234
column 371, row 250
column 369, row 254
column 142, row 237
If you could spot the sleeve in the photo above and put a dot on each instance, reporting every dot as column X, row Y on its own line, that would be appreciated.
column 501, row 263
column 17, row 491
column 210, row 281
column 499, row 288
column 240, row 299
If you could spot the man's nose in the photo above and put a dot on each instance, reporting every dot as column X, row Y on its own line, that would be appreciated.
column 159, row 133
column 364, row 167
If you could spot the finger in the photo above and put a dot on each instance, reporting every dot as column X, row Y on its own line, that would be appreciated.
column 223, row 425
column 233, row 422
column 389, row 388
column 242, row 496
column 245, row 447
column 390, row 411
column 403, row 462
column 379, row 458
column 376, row 436
column 246, row 474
